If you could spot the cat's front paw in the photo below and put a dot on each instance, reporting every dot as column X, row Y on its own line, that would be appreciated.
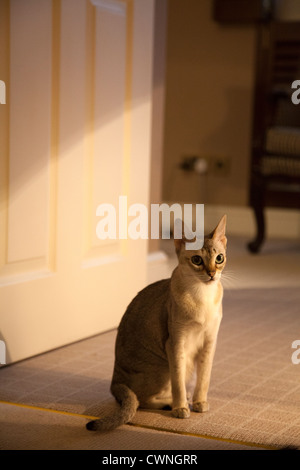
column 200, row 406
column 181, row 412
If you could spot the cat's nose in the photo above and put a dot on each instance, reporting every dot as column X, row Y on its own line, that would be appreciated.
column 211, row 274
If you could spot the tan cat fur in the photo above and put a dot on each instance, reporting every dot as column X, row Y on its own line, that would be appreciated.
column 168, row 331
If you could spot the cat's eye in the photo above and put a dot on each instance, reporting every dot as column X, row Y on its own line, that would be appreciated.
column 220, row 259
column 197, row 260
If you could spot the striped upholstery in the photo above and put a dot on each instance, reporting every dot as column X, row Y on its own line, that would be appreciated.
column 283, row 147
column 283, row 141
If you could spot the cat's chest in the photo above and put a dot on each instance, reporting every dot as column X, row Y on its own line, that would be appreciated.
column 202, row 304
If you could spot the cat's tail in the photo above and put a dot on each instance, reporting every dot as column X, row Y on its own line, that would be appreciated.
column 128, row 406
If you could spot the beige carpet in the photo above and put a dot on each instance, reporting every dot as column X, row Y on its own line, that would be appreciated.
column 254, row 394
column 39, row 429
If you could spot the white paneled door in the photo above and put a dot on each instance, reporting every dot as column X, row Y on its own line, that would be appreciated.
column 75, row 133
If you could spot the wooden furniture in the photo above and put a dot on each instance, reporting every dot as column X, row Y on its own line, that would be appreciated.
column 275, row 163
column 242, row 11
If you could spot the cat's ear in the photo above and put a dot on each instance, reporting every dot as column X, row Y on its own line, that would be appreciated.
column 182, row 235
column 219, row 232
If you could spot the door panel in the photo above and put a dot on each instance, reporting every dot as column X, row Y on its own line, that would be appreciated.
column 78, row 114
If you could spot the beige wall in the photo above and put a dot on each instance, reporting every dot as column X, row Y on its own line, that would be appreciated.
column 158, row 102
column 209, row 87
column 287, row 10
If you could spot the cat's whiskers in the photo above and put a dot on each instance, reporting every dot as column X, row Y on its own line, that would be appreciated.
column 229, row 278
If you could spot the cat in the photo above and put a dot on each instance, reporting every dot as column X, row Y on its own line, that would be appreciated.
column 168, row 331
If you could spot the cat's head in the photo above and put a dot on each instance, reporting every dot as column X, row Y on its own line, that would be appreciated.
column 207, row 263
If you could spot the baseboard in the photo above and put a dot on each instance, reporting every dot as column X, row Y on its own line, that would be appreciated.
column 157, row 257
column 280, row 223
column 240, row 222
column 157, row 266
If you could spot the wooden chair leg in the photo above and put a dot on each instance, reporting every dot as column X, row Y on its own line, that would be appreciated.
column 257, row 202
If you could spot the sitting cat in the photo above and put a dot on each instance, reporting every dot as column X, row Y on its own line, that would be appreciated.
column 169, row 330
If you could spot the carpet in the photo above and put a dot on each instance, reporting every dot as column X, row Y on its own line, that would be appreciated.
column 255, row 387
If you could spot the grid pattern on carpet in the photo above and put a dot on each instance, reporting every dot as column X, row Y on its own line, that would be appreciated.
column 255, row 388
